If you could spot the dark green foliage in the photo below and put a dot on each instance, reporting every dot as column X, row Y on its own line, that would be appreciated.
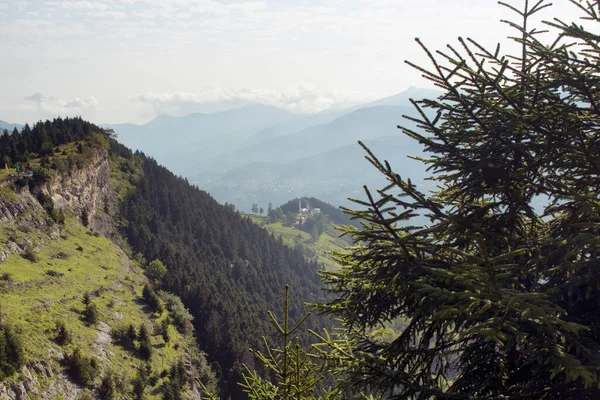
column 85, row 217
column 164, row 330
column 292, row 372
column 12, row 356
column 54, row 273
column 30, row 254
column 499, row 291
column 80, row 367
column 125, row 335
column 44, row 136
column 91, row 313
column 152, row 299
column 6, row 276
column 178, row 313
column 155, row 271
column 140, row 382
column 178, row 379
column 145, row 345
column 62, row 335
column 221, row 264
column 108, row 388
column 86, row 299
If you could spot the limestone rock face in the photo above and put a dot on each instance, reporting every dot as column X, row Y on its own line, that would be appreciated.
column 86, row 193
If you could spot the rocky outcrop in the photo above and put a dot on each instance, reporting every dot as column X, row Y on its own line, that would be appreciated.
column 20, row 204
column 87, row 193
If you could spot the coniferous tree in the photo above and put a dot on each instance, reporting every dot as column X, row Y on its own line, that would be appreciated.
column 297, row 374
column 499, row 291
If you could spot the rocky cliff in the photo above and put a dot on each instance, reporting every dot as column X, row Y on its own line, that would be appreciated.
column 48, row 263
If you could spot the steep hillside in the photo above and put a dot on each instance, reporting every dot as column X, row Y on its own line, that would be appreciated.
column 51, row 265
column 227, row 271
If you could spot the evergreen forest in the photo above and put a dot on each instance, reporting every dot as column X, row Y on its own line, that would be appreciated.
column 493, row 275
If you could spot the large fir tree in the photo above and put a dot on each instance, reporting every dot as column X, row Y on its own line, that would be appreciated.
column 500, row 291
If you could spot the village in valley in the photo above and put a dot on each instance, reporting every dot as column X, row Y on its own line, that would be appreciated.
column 305, row 213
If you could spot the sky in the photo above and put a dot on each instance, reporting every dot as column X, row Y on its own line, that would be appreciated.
column 114, row 61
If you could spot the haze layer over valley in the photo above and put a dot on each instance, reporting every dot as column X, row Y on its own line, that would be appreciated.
column 264, row 154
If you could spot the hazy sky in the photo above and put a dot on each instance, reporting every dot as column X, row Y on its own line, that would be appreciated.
column 127, row 60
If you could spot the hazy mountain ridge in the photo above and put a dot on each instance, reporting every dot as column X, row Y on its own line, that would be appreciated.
column 262, row 153
column 179, row 141
column 8, row 126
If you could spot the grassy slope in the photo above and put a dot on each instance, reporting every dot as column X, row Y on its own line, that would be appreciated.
column 328, row 241
column 34, row 301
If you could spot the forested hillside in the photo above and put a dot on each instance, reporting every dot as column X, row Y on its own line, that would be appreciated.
column 228, row 270
column 78, row 317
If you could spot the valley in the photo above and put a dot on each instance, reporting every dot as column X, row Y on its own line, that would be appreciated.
column 264, row 154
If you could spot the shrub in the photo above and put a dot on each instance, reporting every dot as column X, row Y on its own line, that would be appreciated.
column 80, row 367
column 87, row 299
column 180, row 316
column 140, row 381
column 12, row 356
column 178, row 378
column 145, row 345
column 62, row 334
column 29, row 254
column 91, row 313
column 6, row 276
column 155, row 271
column 152, row 299
column 108, row 388
column 164, row 330
column 54, row 273
column 125, row 336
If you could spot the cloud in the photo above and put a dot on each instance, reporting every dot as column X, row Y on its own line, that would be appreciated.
column 48, row 106
column 301, row 99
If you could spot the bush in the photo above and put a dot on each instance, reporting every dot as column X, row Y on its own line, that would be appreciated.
column 180, row 316
column 54, row 273
column 152, row 299
column 145, row 345
column 155, row 271
column 140, row 381
column 80, row 367
column 12, row 356
column 6, row 276
column 125, row 336
column 62, row 334
column 29, row 254
column 108, row 388
column 178, row 378
column 91, row 313
column 164, row 330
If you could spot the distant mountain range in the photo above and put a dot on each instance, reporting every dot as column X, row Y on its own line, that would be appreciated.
column 261, row 154
column 8, row 126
